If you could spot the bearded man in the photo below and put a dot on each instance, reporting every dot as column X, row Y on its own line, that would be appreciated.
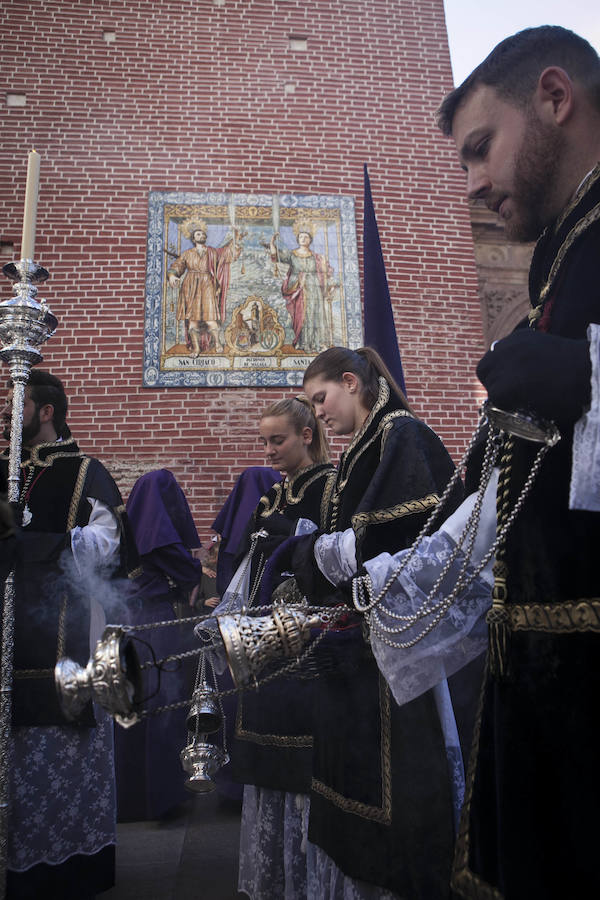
column 526, row 124
column 73, row 542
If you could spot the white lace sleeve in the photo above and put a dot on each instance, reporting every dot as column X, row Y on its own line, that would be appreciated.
column 585, row 471
column 461, row 632
column 96, row 544
column 336, row 555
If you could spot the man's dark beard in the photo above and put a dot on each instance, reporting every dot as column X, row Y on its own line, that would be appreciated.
column 537, row 165
column 29, row 431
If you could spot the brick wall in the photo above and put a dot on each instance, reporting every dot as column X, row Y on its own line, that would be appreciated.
column 191, row 97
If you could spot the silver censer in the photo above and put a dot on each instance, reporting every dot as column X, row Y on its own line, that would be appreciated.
column 112, row 678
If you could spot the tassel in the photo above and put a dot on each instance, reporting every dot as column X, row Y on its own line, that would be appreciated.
column 498, row 619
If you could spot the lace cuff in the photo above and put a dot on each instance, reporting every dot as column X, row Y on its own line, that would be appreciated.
column 336, row 555
column 460, row 634
column 585, row 471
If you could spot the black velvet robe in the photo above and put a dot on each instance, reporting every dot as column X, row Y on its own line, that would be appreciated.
column 51, row 618
column 530, row 825
column 381, row 804
column 273, row 731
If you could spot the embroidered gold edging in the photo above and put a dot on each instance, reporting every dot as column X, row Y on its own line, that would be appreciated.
column 326, row 499
column 264, row 501
column 78, row 491
column 563, row 618
column 343, row 481
column 383, row 813
column 285, row 489
column 467, row 883
column 268, row 740
column 382, row 399
column 587, row 185
column 35, row 460
column 292, row 498
column 382, row 516
column 582, row 225
column 385, row 426
column 387, row 422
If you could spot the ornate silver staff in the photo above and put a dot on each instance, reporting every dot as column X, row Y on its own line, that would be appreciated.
column 25, row 324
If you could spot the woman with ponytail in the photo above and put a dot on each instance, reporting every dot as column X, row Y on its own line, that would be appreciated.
column 385, row 779
column 271, row 753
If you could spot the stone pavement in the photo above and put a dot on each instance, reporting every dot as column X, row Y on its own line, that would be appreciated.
column 190, row 857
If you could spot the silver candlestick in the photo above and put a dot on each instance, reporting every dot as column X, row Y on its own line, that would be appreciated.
column 25, row 324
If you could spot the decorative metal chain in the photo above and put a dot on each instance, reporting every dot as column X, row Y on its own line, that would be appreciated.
column 130, row 629
column 328, row 617
column 175, row 657
column 363, row 583
column 428, row 608
column 493, row 445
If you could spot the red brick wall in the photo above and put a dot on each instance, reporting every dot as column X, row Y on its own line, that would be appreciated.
column 190, row 97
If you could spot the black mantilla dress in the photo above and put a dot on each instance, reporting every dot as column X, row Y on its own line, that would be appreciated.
column 382, row 803
column 272, row 748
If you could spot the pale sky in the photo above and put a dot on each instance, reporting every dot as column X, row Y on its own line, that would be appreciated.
column 476, row 26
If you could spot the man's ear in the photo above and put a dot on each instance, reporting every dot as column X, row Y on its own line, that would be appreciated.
column 554, row 95
column 46, row 413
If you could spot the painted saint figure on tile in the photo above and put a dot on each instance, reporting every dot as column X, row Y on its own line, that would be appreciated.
column 308, row 287
column 202, row 276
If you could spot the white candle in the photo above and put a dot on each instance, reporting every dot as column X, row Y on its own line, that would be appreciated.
column 31, row 201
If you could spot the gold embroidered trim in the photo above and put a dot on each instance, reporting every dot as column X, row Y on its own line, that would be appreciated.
column 77, row 492
column 587, row 185
column 580, row 226
column 385, row 426
column 467, row 883
column 380, row 516
column 326, row 499
column 383, row 813
column 286, row 487
column 382, row 399
column 264, row 501
column 34, row 459
column 387, row 423
column 561, row 618
column 592, row 216
column 330, row 519
column 268, row 740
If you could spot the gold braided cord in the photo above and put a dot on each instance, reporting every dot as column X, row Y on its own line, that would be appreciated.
column 582, row 225
column 77, row 493
column 498, row 618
